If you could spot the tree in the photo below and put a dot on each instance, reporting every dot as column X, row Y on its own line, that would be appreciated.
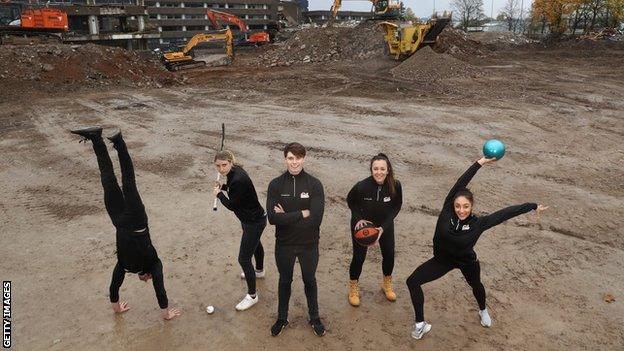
column 470, row 11
column 512, row 12
column 409, row 15
column 554, row 13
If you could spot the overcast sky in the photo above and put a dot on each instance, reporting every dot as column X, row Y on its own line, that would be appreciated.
column 422, row 8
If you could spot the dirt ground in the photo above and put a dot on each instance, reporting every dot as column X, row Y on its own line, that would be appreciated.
column 558, row 108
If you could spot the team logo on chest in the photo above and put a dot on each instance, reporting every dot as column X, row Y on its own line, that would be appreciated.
column 305, row 195
column 466, row 227
column 386, row 199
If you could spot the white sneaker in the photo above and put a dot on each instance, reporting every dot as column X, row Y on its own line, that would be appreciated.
column 418, row 333
column 259, row 274
column 247, row 302
column 486, row 321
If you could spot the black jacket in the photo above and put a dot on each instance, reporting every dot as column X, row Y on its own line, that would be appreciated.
column 296, row 193
column 373, row 202
column 241, row 196
column 135, row 252
column 454, row 240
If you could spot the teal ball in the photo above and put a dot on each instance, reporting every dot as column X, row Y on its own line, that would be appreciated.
column 494, row 149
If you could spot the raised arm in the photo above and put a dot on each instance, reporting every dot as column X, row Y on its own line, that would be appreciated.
column 279, row 218
column 465, row 178
column 395, row 208
column 500, row 216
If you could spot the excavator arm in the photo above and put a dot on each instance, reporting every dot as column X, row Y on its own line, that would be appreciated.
column 225, row 35
column 215, row 16
column 336, row 7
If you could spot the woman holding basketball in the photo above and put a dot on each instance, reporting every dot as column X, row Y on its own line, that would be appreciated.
column 243, row 201
column 374, row 201
column 456, row 233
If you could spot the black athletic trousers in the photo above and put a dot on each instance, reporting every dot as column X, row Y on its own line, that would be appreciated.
column 308, row 256
column 434, row 269
column 251, row 246
column 157, row 279
column 386, row 245
column 125, row 208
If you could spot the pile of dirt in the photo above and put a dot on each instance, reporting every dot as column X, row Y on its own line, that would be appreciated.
column 362, row 42
column 428, row 66
column 51, row 68
column 456, row 42
column 500, row 40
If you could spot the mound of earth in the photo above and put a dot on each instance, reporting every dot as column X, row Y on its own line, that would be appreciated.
column 361, row 42
column 50, row 68
column 428, row 66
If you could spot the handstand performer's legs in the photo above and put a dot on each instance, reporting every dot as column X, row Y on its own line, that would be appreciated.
column 113, row 197
column 134, row 205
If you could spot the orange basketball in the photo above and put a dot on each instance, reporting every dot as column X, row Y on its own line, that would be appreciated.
column 367, row 235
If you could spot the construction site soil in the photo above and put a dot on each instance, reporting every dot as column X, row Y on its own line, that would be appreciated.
column 552, row 284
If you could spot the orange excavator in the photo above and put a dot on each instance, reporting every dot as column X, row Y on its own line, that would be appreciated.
column 16, row 19
column 253, row 38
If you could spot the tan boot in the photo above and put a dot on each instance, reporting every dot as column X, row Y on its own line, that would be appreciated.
column 386, row 287
column 354, row 294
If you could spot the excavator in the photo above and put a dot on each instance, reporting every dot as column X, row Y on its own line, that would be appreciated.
column 256, row 38
column 405, row 38
column 18, row 19
column 382, row 9
column 175, row 61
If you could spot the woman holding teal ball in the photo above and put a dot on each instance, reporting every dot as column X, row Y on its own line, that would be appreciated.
column 456, row 233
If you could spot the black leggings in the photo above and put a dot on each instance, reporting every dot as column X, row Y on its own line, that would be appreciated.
column 434, row 269
column 386, row 245
column 308, row 256
column 251, row 246
column 157, row 278
column 124, row 205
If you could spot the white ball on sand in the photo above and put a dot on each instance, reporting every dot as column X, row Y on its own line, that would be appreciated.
column 210, row 309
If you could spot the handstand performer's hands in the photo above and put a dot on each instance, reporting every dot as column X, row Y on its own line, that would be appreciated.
column 484, row 161
column 170, row 313
column 120, row 306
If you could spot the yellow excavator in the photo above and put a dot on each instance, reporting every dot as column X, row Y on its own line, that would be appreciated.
column 382, row 9
column 175, row 61
column 404, row 38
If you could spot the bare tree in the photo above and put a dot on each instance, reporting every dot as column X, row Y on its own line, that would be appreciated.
column 470, row 11
column 512, row 12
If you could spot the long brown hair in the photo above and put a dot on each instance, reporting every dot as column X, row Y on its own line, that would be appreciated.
column 390, row 177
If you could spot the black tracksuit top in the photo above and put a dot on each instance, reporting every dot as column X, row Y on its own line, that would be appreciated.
column 296, row 193
column 135, row 252
column 373, row 202
column 454, row 240
column 242, row 198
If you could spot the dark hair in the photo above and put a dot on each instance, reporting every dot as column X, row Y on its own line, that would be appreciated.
column 465, row 192
column 390, row 177
column 296, row 149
